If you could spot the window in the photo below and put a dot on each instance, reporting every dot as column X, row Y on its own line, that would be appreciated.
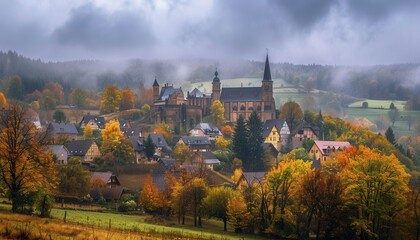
column 250, row 108
column 243, row 108
column 235, row 108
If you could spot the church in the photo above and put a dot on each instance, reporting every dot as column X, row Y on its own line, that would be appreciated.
column 171, row 106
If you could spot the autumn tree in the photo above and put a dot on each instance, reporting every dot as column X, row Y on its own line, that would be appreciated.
column 217, row 112
column 376, row 188
column 222, row 143
column 145, row 109
column 238, row 214
column 150, row 198
column 24, row 163
column 78, row 97
column 3, row 101
column 87, row 132
column 149, row 147
column 216, row 201
column 59, row 116
column 278, row 184
column 292, row 113
column 110, row 100
column 196, row 190
column 227, row 131
column 116, row 144
column 165, row 130
column 181, row 151
column 127, row 99
column 74, row 178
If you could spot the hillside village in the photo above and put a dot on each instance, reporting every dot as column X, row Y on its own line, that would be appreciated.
column 227, row 144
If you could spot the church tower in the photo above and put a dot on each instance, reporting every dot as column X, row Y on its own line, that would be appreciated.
column 155, row 90
column 216, row 87
column 267, row 83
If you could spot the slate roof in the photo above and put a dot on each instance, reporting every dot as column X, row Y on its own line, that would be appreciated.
column 104, row 176
column 303, row 125
column 241, row 94
column 168, row 90
column 131, row 132
column 79, row 147
column 160, row 142
column 168, row 163
column 196, row 93
column 56, row 149
column 100, row 121
column 251, row 177
column 138, row 144
column 209, row 158
column 209, row 129
column 268, row 125
column 267, row 72
column 63, row 128
column 155, row 83
column 196, row 140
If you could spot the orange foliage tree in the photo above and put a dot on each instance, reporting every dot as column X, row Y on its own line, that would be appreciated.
column 227, row 131
column 127, row 99
column 150, row 198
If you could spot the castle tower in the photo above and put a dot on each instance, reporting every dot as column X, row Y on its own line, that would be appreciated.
column 155, row 90
column 216, row 87
column 267, row 83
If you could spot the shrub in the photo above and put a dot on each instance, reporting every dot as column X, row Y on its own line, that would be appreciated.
column 365, row 105
column 127, row 206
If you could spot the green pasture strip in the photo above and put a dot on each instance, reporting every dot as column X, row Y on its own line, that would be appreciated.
column 379, row 104
column 136, row 223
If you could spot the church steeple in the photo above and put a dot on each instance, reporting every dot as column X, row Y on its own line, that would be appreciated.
column 267, row 72
column 216, row 87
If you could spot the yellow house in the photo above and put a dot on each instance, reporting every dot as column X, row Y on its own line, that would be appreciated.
column 86, row 149
column 321, row 150
column 276, row 132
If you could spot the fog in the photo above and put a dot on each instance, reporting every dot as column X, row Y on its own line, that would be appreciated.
column 329, row 32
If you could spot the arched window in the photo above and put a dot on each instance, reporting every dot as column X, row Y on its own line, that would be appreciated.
column 243, row 108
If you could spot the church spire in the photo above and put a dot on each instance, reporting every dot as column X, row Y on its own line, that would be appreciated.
column 267, row 72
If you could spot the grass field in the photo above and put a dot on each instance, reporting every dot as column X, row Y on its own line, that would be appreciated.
column 88, row 221
column 379, row 104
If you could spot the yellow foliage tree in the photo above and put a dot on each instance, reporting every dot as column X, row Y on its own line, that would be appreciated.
column 3, row 101
column 181, row 151
column 237, row 174
column 376, row 186
column 279, row 183
column 237, row 213
column 222, row 143
column 217, row 112
column 165, row 130
column 87, row 132
column 110, row 100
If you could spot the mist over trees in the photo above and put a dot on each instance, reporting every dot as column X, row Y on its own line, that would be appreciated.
column 394, row 82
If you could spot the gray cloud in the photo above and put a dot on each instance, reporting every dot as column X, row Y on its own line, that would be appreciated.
column 95, row 29
column 299, row 31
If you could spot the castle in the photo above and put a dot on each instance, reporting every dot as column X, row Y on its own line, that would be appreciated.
column 171, row 106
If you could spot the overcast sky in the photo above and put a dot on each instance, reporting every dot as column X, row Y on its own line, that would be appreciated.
column 296, row 31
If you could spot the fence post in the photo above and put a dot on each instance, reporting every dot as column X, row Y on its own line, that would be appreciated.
column 65, row 216
column 109, row 223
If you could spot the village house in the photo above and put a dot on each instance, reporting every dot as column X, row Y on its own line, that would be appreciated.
column 162, row 148
column 276, row 132
column 138, row 147
column 248, row 179
column 206, row 158
column 303, row 131
column 60, row 153
column 96, row 122
column 112, row 189
column 196, row 143
column 88, row 150
column 206, row 129
column 321, row 150
column 62, row 130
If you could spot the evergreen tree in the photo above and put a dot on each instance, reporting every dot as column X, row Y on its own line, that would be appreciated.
column 389, row 134
column 240, row 140
column 256, row 151
column 149, row 147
